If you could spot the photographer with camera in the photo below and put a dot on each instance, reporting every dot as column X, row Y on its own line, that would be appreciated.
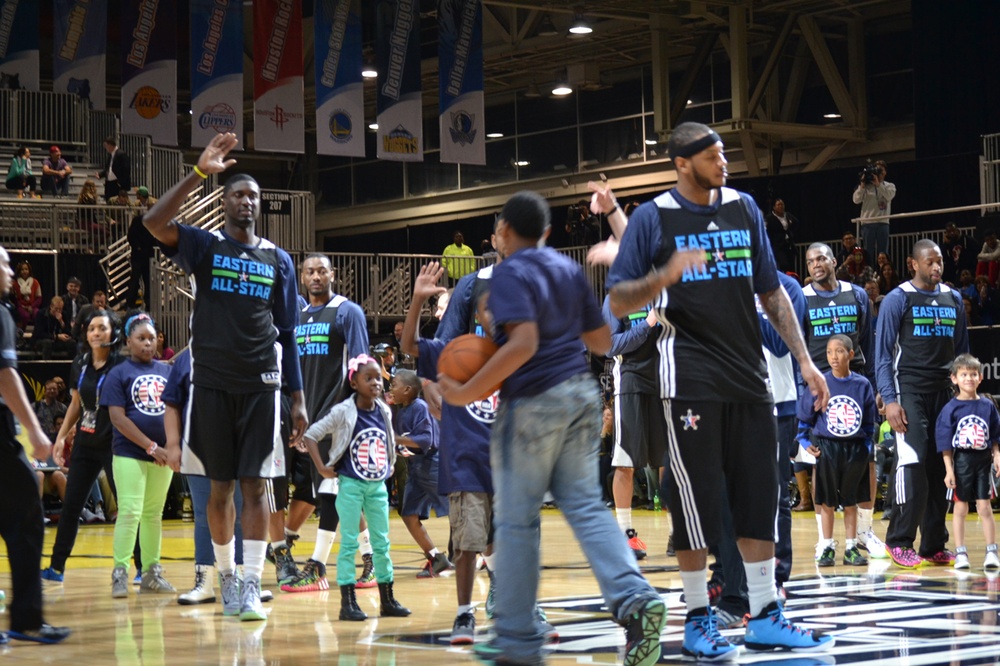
column 875, row 194
column 582, row 226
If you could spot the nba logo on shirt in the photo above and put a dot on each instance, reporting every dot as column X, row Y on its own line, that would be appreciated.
column 369, row 454
column 146, row 392
column 485, row 411
column 843, row 416
column 971, row 433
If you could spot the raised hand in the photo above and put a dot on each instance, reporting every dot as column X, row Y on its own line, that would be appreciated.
column 213, row 158
column 425, row 285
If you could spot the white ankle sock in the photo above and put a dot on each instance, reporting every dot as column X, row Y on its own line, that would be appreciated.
column 695, row 588
column 761, row 590
column 324, row 542
column 225, row 554
column 624, row 517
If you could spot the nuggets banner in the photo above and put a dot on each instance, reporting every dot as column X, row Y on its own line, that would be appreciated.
column 149, row 69
column 19, row 44
column 278, row 107
column 80, row 49
column 397, row 47
column 216, row 70
column 460, row 54
column 340, row 95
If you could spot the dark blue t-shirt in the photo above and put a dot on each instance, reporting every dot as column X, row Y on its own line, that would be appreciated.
column 415, row 421
column 367, row 455
column 179, row 381
column 850, row 413
column 542, row 286
column 138, row 387
column 968, row 425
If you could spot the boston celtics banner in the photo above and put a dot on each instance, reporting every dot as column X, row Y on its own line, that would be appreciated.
column 460, row 54
column 397, row 48
column 19, row 44
column 80, row 47
column 216, row 70
column 278, row 107
column 149, row 69
column 340, row 95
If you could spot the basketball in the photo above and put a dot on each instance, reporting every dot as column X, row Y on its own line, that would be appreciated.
column 464, row 356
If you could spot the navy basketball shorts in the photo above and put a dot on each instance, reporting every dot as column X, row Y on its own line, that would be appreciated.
column 719, row 451
column 973, row 474
column 841, row 471
column 640, row 432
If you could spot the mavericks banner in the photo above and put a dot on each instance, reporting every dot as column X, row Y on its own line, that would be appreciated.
column 216, row 70
column 340, row 95
column 80, row 49
column 397, row 47
column 278, row 105
column 149, row 69
column 460, row 54
column 19, row 45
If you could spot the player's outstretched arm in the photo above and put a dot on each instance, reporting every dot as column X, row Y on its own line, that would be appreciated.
column 424, row 287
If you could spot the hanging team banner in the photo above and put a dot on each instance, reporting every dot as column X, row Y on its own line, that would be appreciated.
column 216, row 70
column 149, row 69
column 278, row 105
column 460, row 55
column 397, row 48
column 80, row 48
column 340, row 98
column 19, row 45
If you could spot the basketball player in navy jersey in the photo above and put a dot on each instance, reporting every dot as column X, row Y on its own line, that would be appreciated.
column 712, row 379
column 242, row 343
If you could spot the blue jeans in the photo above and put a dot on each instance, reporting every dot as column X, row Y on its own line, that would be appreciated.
column 875, row 239
column 201, row 488
column 550, row 442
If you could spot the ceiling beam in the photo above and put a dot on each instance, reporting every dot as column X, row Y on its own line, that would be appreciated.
column 774, row 51
column 796, row 83
column 739, row 66
column 790, row 130
column 828, row 68
column 824, row 156
column 691, row 73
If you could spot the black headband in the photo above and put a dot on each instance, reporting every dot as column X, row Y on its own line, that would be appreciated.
column 696, row 147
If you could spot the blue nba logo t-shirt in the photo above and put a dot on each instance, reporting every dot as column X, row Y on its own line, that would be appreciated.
column 138, row 388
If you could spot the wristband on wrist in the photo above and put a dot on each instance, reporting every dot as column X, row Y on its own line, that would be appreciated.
column 201, row 173
column 152, row 448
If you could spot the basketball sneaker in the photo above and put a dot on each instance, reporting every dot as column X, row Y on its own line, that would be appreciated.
column 828, row 557
column 52, row 575
column 904, row 557
column 435, row 565
column 284, row 565
column 771, row 631
column 250, row 606
column 491, row 600
column 992, row 562
column 727, row 619
column 636, row 544
column 367, row 577
column 311, row 579
column 702, row 640
column 870, row 542
column 463, row 632
column 153, row 581
column 119, row 583
column 941, row 558
column 854, row 558
column 229, row 583
column 642, row 634
column 962, row 558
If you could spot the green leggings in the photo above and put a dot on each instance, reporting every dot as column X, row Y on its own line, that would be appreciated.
column 142, row 491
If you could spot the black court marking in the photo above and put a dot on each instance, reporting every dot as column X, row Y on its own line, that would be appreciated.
column 933, row 617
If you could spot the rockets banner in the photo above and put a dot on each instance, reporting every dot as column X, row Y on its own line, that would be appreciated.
column 80, row 49
column 397, row 47
column 149, row 69
column 216, row 70
column 460, row 54
column 340, row 98
column 278, row 105
column 19, row 44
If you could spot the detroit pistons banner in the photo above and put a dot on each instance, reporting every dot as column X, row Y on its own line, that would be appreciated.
column 278, row 106
column 340, row 95
column 149, row 69
column 19, row 44
column 80, row 49
column 397, row 48
column 460, row 55
column 216, row 70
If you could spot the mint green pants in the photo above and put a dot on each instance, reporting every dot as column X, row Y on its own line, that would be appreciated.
column 371, row 498
column 142, row 491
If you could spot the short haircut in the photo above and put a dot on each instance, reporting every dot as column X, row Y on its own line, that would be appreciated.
column 111, row 141
column 238, row 178
column 686, row 134
column 100, row 292
column 317, row 255
column 58, row 301
column 409, row 378
column 528, row 214
column 966, row 361
column 842, row 339
column 921, row 246
column 75, row 280
column 827, row 250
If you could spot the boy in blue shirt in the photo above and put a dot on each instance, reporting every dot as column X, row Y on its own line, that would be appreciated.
column 841, row 441
column 967, row 433
column 546, row 438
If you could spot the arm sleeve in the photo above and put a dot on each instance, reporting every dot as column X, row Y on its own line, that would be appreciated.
column 868, row 419
column 623, row 340
column 326, row 425
column 515, row 306
column 112, row 390
column 890, row 315
column 887, row 190
column 286, row 318
column 859, row 194
column 455, row 321
column 354, row 327
column 994, row 424
column 592, row 317
column 866, row 332
column 8, row 346
column 638, row 247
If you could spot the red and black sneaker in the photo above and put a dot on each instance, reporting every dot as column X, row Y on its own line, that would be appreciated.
column 636, row 544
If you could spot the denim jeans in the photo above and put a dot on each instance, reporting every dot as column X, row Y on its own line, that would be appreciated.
column 875, row 238
column 550, row 442
column 201, row 488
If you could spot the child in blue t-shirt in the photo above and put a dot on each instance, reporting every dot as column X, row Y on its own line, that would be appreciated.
column 841, row 439
column 133, row 394
column 546, row 436
column 361, row 457
column 967, row 435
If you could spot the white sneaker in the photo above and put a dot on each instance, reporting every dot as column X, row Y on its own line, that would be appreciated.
column 869, row 541
column 992, row 562
column 962, row 560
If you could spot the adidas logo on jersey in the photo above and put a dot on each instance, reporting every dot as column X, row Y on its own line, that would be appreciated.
column 243, row 255
column 934, row 302
column 832, row 303
column 712, row 226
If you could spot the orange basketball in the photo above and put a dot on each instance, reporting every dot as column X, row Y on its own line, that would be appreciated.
column 464, row 356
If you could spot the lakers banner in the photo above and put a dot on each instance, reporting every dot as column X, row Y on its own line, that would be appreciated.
column 340, row 98
column 216, row 69
column 400, row 130
column 278, row 107
column 19, row 44
column 149, row 69
column 460, row 55
column 80, row 49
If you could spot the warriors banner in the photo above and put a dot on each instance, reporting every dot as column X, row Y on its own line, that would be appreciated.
column 460, row 55
column 149, row 69
column 397, row 47
column 278, row 105
column 216, row 70
column 340, row 95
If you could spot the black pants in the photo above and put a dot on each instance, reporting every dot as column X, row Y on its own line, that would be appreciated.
column 919, row 492
column 23, row 531
column 139, row 270
column 787, row 429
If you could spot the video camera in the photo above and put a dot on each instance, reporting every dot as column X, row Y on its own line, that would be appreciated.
column 869, row 172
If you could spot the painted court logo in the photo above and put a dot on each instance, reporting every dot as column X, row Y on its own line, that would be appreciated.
column 843, row 416
column 146, row 394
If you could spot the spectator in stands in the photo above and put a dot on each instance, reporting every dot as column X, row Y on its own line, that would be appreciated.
column 959, row 253
column 881, row 260
column 971, row 311
column 48, row 409
column 967, row 285
column 989, row 259
column 875, row 194
column 888, row 280
column 63, row 396
column 457, row 258
column 117, row 173
column 849, row 257
column 27, row 295
column 163, row 352
column 56, row 174
column 88, row 218
column 98, row 302
column 73, row 300
column 143, row 202
column 143, row 249
column 487, row 252
column 781, row 228
column 53, row 332
column 874, row 291
column 19, row 176
column 988, row 302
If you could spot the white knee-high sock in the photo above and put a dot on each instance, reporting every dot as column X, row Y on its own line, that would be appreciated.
column 324, row 542
column 624, row 517
column 253, row 557
column 760, row 585
column 225, row 555
column 695, row 588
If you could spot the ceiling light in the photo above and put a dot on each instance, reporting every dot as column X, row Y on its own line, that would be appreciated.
column 369, row 71
column 561, row 88
column 690, row 103
column 651, row 142
column 494, row 135
column 832, row 116
column 546, row 28
column 522, row 163
column 580, row 26
column 373, row 126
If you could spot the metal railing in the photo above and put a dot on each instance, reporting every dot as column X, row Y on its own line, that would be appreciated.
column 990, row 183
column 170, row 302
column 47, row 117
column 102, row 125
column 166, row 168
column 29, row 226
column 139, row 148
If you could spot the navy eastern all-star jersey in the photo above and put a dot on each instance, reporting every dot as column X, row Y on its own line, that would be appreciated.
column 846, row 311
column 633, row 347
column 710, row 348
column 968, row 424
column 245, row 312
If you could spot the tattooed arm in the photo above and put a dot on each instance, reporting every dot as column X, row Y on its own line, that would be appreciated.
column 633, row 295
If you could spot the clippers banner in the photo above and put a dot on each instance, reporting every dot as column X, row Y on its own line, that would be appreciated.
column 149, row 69
column 19, row 44
column 216, row 70
column 340, row 95
column 278, row 106
column 80, row 49
column 460, row 55
column 397, row 48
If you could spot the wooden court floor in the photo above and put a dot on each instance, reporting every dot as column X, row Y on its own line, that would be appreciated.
column 879, row 614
